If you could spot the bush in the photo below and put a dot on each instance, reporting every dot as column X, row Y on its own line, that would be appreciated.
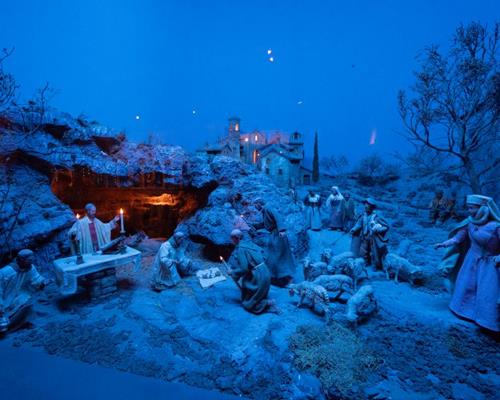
column 334, row 354
column 374, row 170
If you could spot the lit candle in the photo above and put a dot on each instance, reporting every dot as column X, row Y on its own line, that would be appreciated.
column 77, row 216
column 122, row 225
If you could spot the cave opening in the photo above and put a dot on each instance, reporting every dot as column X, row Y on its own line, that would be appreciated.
column 150, row 204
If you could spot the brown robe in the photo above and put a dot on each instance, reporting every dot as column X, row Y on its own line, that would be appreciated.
column 250, row 270
column 279, row 259
column 372, row 246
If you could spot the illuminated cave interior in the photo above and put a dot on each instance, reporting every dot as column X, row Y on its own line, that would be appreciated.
column 149, row 204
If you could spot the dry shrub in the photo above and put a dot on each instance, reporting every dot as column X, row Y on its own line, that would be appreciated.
column 335, row 354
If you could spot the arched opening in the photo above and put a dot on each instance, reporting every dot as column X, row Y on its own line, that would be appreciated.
column 150, row 203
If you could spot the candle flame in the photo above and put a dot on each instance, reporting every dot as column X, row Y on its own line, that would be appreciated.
column 77, row 216
column 222, row 259
column 121, row 210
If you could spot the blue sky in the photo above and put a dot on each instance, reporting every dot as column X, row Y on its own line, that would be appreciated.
column 338, row 64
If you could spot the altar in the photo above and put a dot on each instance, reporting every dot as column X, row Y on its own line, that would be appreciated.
column 97, row 266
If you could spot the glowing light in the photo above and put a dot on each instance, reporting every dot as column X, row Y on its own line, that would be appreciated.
column 194, row 112
column 164, row 199
column 137, row 117
column 299, row 102
column 269, row 52
column 256, row 138
column 373, row 137
column 77, row 216
column 122, row 224
column 246, row 139
column 271, row 59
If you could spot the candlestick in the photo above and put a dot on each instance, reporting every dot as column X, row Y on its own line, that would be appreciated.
column 122, row 225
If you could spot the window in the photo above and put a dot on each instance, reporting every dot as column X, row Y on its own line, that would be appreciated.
column 280, row 171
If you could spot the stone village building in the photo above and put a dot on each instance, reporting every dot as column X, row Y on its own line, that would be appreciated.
column 279, row 155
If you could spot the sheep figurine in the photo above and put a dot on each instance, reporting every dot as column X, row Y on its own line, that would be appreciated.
column 402, row 269
column 313, row 295
column 339, row 287
column 314, row 269
column 346, row 264
column 361, row 305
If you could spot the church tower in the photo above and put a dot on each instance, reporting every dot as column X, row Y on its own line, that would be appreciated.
column 233, row 133
column 297, row 143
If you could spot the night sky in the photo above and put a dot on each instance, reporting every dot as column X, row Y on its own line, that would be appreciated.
column 184, row 67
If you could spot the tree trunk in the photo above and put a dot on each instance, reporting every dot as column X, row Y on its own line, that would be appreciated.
column 315, row 171
column 474, row 181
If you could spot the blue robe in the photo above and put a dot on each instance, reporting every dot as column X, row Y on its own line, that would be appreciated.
column 471, row 264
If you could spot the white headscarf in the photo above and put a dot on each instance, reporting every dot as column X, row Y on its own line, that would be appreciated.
column 488, row 209
column 337, row 196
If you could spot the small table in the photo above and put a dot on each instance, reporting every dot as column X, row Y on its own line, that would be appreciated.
column 67, row 270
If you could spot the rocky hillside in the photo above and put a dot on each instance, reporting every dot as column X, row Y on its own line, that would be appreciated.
column 47, row 176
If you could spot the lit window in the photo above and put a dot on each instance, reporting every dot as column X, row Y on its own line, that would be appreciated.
column 246, row 139
column 256, row 138
column 237, row 127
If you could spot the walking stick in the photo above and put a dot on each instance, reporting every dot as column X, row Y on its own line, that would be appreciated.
column 227, row 272
column 340, row 237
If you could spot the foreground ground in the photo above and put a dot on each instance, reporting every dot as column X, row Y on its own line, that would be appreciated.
column 413, row 348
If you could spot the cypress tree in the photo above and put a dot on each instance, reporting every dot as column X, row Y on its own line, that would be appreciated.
column 315, row 173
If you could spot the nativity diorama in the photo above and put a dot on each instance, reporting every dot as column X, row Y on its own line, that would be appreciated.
column 251, row 267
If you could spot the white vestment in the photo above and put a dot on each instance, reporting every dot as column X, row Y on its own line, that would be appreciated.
column 169, row 261
column 82, row 230
column 16, row 287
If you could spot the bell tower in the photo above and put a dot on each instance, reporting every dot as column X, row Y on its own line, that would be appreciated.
column 297, row 143
column 233, row 132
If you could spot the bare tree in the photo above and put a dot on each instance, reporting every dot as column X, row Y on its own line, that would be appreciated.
column 455, row 104
column 335, row 164
column 31, row 116
column 375, row 170
column 12, row 202
column 8, row 85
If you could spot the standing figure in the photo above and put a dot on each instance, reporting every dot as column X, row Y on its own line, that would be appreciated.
column 17, row 282
column 171, row 263
column 313, row 217
column 349, row 212
column 292, row 192
column 473, row 262
column 370, row 236
column 449, row 208
column 279, row 257
column 91, row 232
column 336, row 204
column 437, row 206
column 251, row 274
